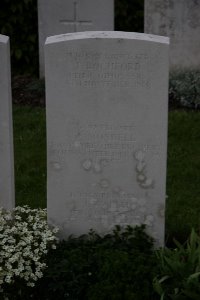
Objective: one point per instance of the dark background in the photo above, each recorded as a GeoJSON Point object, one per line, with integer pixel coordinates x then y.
{"type": "Point", "coordinates": [18, 20]}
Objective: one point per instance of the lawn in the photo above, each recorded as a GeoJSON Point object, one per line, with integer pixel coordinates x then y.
{"type": "Point", "coordinates": [183, 176]}
{"type": "Point", "coordinates": [30, 155]}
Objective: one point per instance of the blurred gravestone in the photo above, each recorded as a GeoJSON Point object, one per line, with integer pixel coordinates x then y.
{"type": "Point", "coordinates": [180, 20]}
{"type": "Point", "coordinates": [64, 16]}
{"type": "Point", "coordinates": [107, 103]}
{"type": "Point", "coordinates": [6, 136]}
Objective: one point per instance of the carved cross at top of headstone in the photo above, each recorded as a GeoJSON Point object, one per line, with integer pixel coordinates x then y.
{"type": "Point", "coordinates": [75, 22]}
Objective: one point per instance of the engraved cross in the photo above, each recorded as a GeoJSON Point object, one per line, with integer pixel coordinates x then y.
{"type": "Point", "coordinates": [75, 22]}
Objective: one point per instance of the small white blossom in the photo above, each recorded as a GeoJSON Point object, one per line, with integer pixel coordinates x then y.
{"type": "Point", "coordinates": [24, 239]}
{"type": "Point", "coordinates": [31, 284]}
{"type": "Point", "coordinates": [8, 279]}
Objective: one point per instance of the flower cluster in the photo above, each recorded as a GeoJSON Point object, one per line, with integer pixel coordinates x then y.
{"type": "Point", "coordinates": [25, 238]}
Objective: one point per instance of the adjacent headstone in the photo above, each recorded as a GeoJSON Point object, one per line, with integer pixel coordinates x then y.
{"type": "Point", "coordinates": [107, 104]}
{"type": "Point", "coordinates": [180, 20]}
{"type": "Point", "coordinates": [6, 135]}
{"type": "Point", "coordinates": [64, 16]}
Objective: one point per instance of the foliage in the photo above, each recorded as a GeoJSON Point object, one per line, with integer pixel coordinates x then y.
{"type": "Point", "coordinates": [120, 265]}
{"type": "Point", "coordinates": [184, 88]}
{"type": "Point", "coordinates": [129, 15]}
{"type": "Point", "coordinates": [179, 275]}
{"type": "Point", "coordinates": [25, 239]}
{"type": "Point", "coordinates": [18, 20]}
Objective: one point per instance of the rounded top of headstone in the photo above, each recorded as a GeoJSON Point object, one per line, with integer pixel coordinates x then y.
{"type": "Point", "coordinates": [4, 38]}
{"type": "Point", "coordinates": [107, 35]}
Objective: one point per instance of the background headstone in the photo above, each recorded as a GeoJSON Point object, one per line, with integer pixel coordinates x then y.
{"type": "Point", "coordinates": [6, 135]}
{"type": "Point", "coordinates": [180, 20]}
{"type": "Point", "coordinates": [107, 104]}
{"type": "Point", "coordinates": [64, 16]}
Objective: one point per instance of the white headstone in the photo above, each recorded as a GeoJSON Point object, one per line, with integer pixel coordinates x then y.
{"type": "Point", "coordinates": [6, 135]}
{"type": "Point", "coordinates": [180, 20]}
{"type": "Point", "coordinates": [64, 16]}
{"type": "Point", "coordinates": [107, 104]}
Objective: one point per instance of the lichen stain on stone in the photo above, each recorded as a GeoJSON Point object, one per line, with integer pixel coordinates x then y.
{"type": "Point", "coordinates": [148, 183]}
{"type": "Point", "coordinates": [149, 220]}
{"type": "Point", "coordinates": [97, 168]}
{"type": "Point", "coordinates": [104, 183]}
{"type": "Point", "coordinates": [139, 156]}
{"type": "Point", "coordinates": [141, 177]}
{"type": "Point", "coordinates": [56, 166]}
{"type": "Point", "coordinates": [161, 211]}
{"type": "Point", "coordinates": [140, 166]}
{"type": "Point", "coordinates": [87, 165]}
{"type": "Point", "coordinates": [103, 162]}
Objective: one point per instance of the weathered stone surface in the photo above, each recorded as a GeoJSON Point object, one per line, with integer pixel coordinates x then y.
{"type": "Point", "coordinates": [64, 16]}
{"type": "Point", "coordinates": [180, 20]}
{"type": "Point", "coordinates": [106, 100]}
{"type": "Point", "coordinates": [6, 135]}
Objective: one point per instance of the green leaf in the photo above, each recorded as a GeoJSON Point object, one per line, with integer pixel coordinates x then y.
{"type": "Point", "coordinates": [193, 276]}
{"type": "Point", "coordinates": [18, 53]}
{"type": "Point", "coordinates": [158, 287]}
{"type": "Point", "coordinates": [164, 278]}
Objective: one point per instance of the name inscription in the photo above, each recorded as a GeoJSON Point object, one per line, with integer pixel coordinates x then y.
{"type": "Point", "coordinates": [96, 141]}
{"type": "Point", "coordinates": [108, 208]}
{"type": "Point", "coordinates": [96, 69]}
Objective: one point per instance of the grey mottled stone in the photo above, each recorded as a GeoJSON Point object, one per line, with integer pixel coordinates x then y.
{"type": "Point", "coordinates": [179, 20]}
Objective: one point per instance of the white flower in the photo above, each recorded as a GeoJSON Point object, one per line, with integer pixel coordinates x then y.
{"type": "Point", "coordinates": [17, 272]}
{"type": "Point", "coordinates": [30, 284]}
{"type": "Point", "coordinates": [8, 279]}
{"type": "Point", "coordinates": [21, 233]}
{"type": "Point", "coordinates": [38, 274]}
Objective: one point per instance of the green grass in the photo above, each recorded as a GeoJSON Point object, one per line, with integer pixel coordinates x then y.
{"type": "Point", "coordinates": [183, 176]}
{"type": "Point", "coordinates": [30, 155]}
